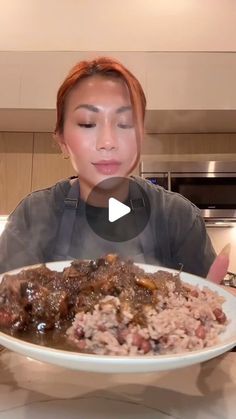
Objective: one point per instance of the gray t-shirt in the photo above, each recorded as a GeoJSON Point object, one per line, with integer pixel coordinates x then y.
{"type": "Point", "coordinates": [174, 236]}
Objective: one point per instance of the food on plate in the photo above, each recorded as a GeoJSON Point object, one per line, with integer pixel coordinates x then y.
{"type": "Point", "coordinates": [110, 307]}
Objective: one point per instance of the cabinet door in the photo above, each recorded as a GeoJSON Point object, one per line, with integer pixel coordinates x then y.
{"type": "Point", "coordinates": [15, 169]}
{"type": "Point", "coordinates": [48, 164]}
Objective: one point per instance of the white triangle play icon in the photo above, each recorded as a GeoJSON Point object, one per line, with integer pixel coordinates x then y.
{"type": "Point", "coordinates": [116, 209]}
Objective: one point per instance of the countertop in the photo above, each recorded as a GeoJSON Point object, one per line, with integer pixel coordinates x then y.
{"type": "Point", "coordinates": [32, 389]}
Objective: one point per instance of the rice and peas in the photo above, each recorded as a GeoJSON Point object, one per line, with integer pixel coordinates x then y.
{"type": "Point", "coordinates": [183, 318]}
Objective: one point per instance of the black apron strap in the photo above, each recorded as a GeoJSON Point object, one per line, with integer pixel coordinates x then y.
{"type": "Point", "coordinates": [140, 204]}
{"type": "Point", "coordinates": [64, 236]}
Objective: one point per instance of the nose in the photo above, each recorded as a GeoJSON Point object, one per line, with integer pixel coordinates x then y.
{"type": "Point", "coordinates": [107, 139]}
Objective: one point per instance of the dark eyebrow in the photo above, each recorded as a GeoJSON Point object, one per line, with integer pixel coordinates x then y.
{"type": "Point", "coordinates": [86, 106]}
{"type": "Point", "coordinates": [93, 108]}
{"type": "Point", "coordinates": [124, 109]}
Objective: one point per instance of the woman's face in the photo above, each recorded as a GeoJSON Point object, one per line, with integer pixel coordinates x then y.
{"type": "Point", "coordinates": [99, 133]}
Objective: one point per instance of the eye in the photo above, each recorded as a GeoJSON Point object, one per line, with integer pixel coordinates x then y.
{"type": "Point", "coordinates": [125, 126]}
{"type": "Point", "coordinates": [87, 125]}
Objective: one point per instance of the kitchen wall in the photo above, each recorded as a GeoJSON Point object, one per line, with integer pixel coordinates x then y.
{"type": "Point", "coordinates": [131, 25]}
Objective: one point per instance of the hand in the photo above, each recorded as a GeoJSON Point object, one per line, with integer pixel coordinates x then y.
{"type": "Point", "coordinates": [219, 268]}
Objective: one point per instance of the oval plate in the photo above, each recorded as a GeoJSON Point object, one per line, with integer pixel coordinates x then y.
{"type": "Point", "coordinates": [134, 364]}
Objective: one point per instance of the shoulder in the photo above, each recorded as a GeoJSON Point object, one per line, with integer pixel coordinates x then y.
{"type": "Point", "coordinates": [170, 202]}
{"type": "Point", "coordinates": [172, 213]}
{"type": "Point", "coordinates": [56, 192]}
{"type": "Point", "coordinates": [41, 200]}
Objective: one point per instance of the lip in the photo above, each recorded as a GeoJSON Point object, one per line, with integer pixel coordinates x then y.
{"type": "Point", "coordinates": [107, 167]}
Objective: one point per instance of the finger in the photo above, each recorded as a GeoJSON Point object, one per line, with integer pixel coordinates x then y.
{"type": "Point", "coordinates": [220, 266]}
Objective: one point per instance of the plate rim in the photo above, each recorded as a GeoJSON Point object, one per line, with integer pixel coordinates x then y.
{"type": "Point", "coordinates": [59, 355]}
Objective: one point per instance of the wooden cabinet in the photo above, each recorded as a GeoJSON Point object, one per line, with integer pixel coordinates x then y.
{"type": "Point", "coordinates": [215, 146]}
{"type": "Point", "coordinates": [48, 165]}
{"type": "Point", "coordinates": [15, 169]}
{"type": "Point", "coordinates": [28, 162]}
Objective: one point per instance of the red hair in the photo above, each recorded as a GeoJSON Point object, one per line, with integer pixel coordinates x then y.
{"type": "Point", "coordinates": [107, 67]}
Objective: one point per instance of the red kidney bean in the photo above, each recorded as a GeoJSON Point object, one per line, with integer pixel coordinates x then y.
{"type": "Point", "coordinates": [137, 340]}
{"type": "Point", "coordinates": [194, 293]}
{"type": "Point", "coordinates": [141, 343]}
{"type": "Point", "coordinates": [200, 332]}
{"type": "Point", "coordinates": [146, 346]}
{"type": "Point", "coordinates": [219, 315]}
{"type": "Point", "coordinates": [79, 332]}
{"type": "Point", "coordinates": [121, 336]}
{"type": "Point", "coordinates": [102, 328]}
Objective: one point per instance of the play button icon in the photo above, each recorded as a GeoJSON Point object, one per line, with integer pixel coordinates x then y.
{"type": "Point", "coordinates": [117, 209]}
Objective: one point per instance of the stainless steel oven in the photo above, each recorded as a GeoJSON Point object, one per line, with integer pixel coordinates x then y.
{"type": "Point", "coordinates": [210, 185]}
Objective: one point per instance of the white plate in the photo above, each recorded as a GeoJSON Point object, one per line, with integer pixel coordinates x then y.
{"type": "Point", "coordinates": [118, 364]}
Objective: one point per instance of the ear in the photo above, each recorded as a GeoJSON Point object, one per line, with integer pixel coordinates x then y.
{"type": "Point", "coordinates": [59, 138]}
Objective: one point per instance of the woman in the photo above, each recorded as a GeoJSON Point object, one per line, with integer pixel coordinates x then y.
{"type": "Point", "coordinates": [100, 125]}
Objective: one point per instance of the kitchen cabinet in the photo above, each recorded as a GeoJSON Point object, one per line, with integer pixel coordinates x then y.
{"type": "Point", "coordinates": [187, 80]}
{"type": "Point", "coordinates": [48, 165]}
{"type": "Point", "coordinates": [28, 162]}
{"type": "Point", "coordinates": [213, 145]}
{"type": "Point", "coordinates": [171, 80]}
{"type": "Point", "coordinates": [10, 80]}
{"type": "Point", "coordinates": [15, 169]}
